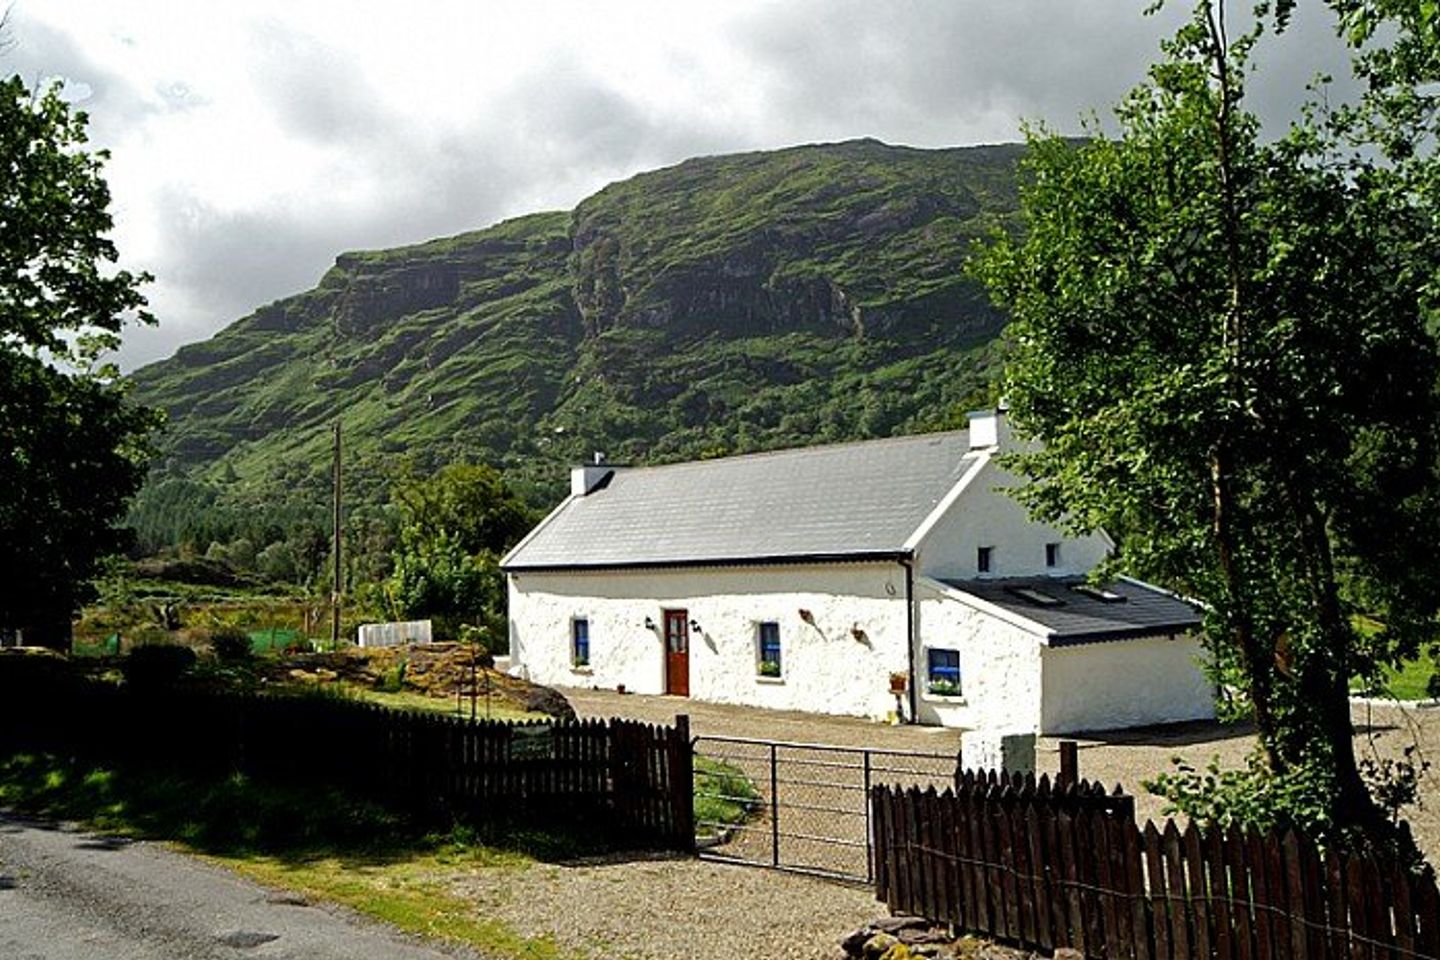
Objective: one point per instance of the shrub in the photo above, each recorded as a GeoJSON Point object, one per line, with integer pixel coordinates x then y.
{"type": "Point", "coordinates": [230, 645]}
{"type": "Point", "coordinates": [157, 665]}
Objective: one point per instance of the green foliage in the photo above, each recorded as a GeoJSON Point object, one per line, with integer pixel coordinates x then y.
{"type": "Point", "coordinates": [231, 645]}
{"type": "Point", "coordinates": [1222, 344]}
{"type": "Point", "coordinates": [75, 448]}
{"type": "Point", "coordinates": [724, 796]}
{"type": "Point", "coordinates": [1257, 798]}
{"type": "Point", "coordinates": [157, 666]}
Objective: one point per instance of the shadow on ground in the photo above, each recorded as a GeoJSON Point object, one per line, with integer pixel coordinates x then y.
{"type": "Point", "coordinates": [237, 817]}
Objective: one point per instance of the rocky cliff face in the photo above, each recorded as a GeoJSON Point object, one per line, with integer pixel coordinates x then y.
{"type": "Point", "coordinates": [727, 303]}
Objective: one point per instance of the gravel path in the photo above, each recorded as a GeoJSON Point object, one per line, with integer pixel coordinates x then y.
{"type": "Point", "coordinates": [671, 908]}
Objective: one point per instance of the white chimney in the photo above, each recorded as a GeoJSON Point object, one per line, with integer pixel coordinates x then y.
{"type": "Point", "coordinates": [586, 477]}
{"type": "Point", "coordinates": [988, 428]}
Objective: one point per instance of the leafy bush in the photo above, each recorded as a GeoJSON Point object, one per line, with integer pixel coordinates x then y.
{"type": "Point", "coordinates": [724, 796]}
{"type": "Point", "coordinates": [1255, 798]}
{"type": "Point", "coordinates": [230, 645]}
{"type": "Point", "coordinates": [156, 666]}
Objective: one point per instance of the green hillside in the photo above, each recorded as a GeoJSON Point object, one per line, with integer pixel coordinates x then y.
{"type": "Point", "coordinates": [724, 304]}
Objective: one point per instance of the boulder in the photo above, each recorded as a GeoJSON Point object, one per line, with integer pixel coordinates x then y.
{"type": "Point", "coordinates": [538, 699]}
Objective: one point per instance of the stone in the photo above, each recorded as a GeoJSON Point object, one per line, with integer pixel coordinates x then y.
{"type": "Point", "coordinates": [911, 936]}
{"type": "Point", "coordinates": [854, 944]}
{"type": "Point", "coordinates": [896, 924]}
{"type": "Point", "coordinates": [1067, 953]}
{"type": "Point", "coordinates": [878, 945]}
{"type": "Point", "coordinates": [540, 699]}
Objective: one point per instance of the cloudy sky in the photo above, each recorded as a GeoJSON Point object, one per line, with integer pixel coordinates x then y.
{"type": "Point", "coordinates": [253, 141]}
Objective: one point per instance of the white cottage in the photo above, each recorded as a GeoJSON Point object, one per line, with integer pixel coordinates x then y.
{"type": "Point", "coordinates": [888, 576]}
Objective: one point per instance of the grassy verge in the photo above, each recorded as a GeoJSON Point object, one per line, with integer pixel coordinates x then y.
{"type": "Point", "coordinates": [321, 844]}
{"type": "Point", "coordinates": [724, 796]}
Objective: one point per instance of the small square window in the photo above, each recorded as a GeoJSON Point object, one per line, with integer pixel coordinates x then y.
{"type": "Point", "coordinates": [985, 559]}
{"type": "Point", "coordinates": [769, 644]}
{"type": "Point", "coordinates": [1052, 554]}
{"type": "Point", "coordinates": [943, 672]}
{"type": "Point", "coordinates": [580, 642]}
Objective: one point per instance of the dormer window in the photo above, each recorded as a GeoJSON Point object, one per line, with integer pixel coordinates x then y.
{"type": "Point", "coordinates": [985, 560]}
{"type": "Point", "coordinates": [1052, 555]}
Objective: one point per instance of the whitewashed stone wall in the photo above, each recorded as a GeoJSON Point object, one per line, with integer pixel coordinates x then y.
{"type": "Point", "coordinates": [984, 515]}
{"type": "Point", "coordinates": [1108, 686]}
{"type": "Point", "coordinates": [999, 667]}
{"type": "Point", "coordinates": [840, 664]}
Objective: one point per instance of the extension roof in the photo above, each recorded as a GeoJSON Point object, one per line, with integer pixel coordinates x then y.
{"type": "Point", "coordinates": [851, 501]}
{"type": "Point", "coordinates": [1132, 610]}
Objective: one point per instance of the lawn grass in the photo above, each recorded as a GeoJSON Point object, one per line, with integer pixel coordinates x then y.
{"type": "Point", "coordinates": [410, 700]}
{"type": "Point", "coordinates": [318, 843]}
{"type": "Point", "coordinates": [1410, 682]}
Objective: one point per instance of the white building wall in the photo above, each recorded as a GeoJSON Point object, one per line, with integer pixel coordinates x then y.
{"type": "Point", "coordinates": [828, 668]}
{"type": "Point", "coordinates": [985, 515]}
{"type": "Point", "coordinates": [1127, 683]}
{"type": "Point", "coordinates": [999, 667]}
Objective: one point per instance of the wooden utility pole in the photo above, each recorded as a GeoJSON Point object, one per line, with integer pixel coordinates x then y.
{"type": "Point", "coordinates": [335, 594]}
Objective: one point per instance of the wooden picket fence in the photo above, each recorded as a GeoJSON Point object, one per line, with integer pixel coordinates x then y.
{"type": "Point", "coordinates": [628, 779]}
{"type": "Point", "coordinates": [1048, 866]}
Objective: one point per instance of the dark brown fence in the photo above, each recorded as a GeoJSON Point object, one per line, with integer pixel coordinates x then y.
{"type": "Point", "coordinates": [627, 779]}
{"type": "Point", "coordinates": [1047, 867]}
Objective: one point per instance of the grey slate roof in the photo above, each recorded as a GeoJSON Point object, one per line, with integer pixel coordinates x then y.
{"type": "Point", "coordinates": [1144, 611]}
{"type": "Point", "coordinates": [847, 501]}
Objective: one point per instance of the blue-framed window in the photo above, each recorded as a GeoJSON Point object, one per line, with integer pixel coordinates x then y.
{"type": "Point", "coordinates": [769, 641]}
{"type": "Point", "coordinates": [943, 672]}
{"type": "Point", "coordinates": [580, 642]}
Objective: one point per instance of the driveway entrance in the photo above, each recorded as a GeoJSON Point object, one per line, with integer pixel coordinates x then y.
{"type": "Point", "coordinates": [803, 807]}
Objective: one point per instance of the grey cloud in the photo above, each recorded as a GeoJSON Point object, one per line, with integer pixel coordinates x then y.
{"type": "Point", "coordinates": [40, 51]}
{"type": "Point", "coordinates": [317, 91]}
{"type": "Point", "coordinates": [923, 72]}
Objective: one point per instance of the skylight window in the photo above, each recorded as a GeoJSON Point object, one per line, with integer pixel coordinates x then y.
{"type": "Point", "coordinates": [1037, 597]}
{"type": "Point", "coordinates": [1098, 593]}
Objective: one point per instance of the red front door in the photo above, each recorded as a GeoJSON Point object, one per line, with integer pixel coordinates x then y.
{"type": "Point", "coordinates": [677, 653]}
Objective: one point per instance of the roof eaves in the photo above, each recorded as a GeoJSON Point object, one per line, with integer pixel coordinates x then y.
{"type": "Point", "coordinates": [1170, 630]}
{"type": "Point", "coordinates": [859, 556]}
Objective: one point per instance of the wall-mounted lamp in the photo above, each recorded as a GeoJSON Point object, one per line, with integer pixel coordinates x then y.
{"type": "Point", "coordinates": [859, 634]}
{"type": "Point", "coordinates": [649, 624]}
{"type": "Point", "coordinates": [807, 616]}
{"type": "Point", "coordinates": [695, 627]}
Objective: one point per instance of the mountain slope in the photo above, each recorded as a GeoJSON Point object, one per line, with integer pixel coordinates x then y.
{"type": "Point", "coordinates": [724, 304]}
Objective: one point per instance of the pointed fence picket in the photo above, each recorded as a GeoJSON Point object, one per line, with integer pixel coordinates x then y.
{"type": "Point", "coordinates": [1063, 864]}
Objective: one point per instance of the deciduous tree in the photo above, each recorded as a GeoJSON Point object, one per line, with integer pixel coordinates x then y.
{"type": "Point", "coordinates": [1222, 343]}
{"type": "Point", "coordinates": [72, 449]}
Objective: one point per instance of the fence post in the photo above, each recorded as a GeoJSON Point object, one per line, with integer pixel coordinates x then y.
{"type": "Point", "coordinates": [682, 783]}
{"type": "Point", "coordinates": [1069, 764]}
{"type": "Point", "coordinates": [869, 826]}
{"type": "Point", "coordinates": [774, 809]}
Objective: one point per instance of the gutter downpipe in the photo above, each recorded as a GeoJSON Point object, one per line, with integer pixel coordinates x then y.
{"type": "Point", "coordinates": [908, 562]}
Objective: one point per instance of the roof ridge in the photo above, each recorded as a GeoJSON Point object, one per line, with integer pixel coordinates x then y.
{"type": "Point", "coordinates": [761, 454]}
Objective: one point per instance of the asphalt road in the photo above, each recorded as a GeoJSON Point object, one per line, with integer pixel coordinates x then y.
{"type": "Point", "coordinates": [69, 895]}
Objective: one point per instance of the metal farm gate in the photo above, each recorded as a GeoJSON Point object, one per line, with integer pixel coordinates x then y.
{"type": "Point", "coordinates": [802, 807]}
